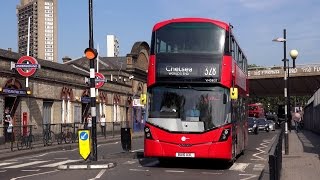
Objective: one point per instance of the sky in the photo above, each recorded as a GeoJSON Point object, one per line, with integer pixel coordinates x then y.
{"type": "Point", "coordinates": [256, 23]}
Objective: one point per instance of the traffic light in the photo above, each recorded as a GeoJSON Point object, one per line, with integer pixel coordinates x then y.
{"type": "Point", "coordinates": [143, 99]}
{"type": "Point", "coordinates": [91, 53]}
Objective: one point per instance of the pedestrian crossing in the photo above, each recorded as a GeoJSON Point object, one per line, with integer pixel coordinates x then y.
{"type": "Point", "coordinates": [237, 166]}
{"type": "Point", "coordinates": [35, 163]}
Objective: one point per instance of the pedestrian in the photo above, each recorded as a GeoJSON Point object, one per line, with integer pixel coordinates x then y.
{"type": "Point", "coordinates": [89, 121]}
{"type": "Point", "coordinates": [9, 126]}
{"type": "Point", "coordinates": [103, 125]}
{"type": "Point", "coordinates": [296, 117]}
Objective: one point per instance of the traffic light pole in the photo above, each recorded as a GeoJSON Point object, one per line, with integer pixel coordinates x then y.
{"type": "Point", "coordinates": [92, 88]}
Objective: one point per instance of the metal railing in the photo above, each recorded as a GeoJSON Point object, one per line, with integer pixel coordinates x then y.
{"type": "Point", "coordinates": [275, 156]}
{"type": "Point", "coordinates": [53, 134]}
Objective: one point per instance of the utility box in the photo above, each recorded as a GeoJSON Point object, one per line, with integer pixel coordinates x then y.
{"type": "Point", "coordinates": [126, 139]}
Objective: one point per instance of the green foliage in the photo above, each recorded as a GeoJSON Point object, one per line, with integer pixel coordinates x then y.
{"type": "Point", "coordinates": [271, 103]}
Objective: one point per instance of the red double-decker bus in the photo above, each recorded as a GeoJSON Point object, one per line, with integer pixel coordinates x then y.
{"type": "Point", "coordinates": [256, 110]}
{"type": "Point", "coordinates": [197, 91]}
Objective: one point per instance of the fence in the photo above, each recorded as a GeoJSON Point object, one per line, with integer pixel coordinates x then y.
{"type": "Point", "coordinates": [50, 134]}
{"type": "Point", "coordinates": [311, 113]}
{"type": "Point", "coordinates": [275, 156]}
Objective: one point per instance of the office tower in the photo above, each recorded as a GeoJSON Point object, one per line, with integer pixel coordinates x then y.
{"type": "Point", "coordinates": [112, 46]}
{"type": "Point", "coordinates": [43, 28]}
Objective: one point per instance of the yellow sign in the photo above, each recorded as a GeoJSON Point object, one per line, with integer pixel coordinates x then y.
{"type": "Point", "coordinates": [143, 98]}
{"type": "Point", "coordinates": [234, 93]}
{"type": "Point", "coordinates": [84, 143]}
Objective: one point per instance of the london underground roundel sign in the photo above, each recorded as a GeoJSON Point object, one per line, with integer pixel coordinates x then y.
{"type": "Point", "coordinates": [99, 80]}
{"type": "Point", "coordinates": [25, 69]}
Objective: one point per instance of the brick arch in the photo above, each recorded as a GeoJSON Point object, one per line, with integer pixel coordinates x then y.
{"type": "Point", "coordinates": [13, 83]}
{"type": "Point", "coordinates": [103, 97]}
{"type": "Point", "coordinates": [116, 99]}
{"type": "Point", "coordinates": [67, 92]}
{"type": "Point", "coordinates": [85, 93]}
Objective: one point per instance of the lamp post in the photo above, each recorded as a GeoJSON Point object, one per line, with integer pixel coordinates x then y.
{"type": "Point", "coordinates": [293, 54]}
{"type": "Point", "coordinates": [286, 137]}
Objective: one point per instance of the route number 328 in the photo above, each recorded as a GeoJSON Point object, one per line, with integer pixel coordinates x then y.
{"type": "Point", "coordinates": [210, 71]}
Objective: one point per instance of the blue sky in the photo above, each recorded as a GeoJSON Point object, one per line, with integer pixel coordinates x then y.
{"type": "Point", "coordinates": [256, 23]}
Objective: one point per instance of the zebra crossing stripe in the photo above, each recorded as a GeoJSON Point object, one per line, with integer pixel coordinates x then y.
{"type": "Point", "coordinates": [6, 163]}
{"type": "Point", "coordinates": [25, 164]}
{"type": "Point", "coordinates": [239, 167]}
{"type": "Point", "coordinates": [60, 163]}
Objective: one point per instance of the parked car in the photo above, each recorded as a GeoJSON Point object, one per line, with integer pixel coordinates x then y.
{"type": "Point", "coordinates": [252, 125]}
{"type": "Point", "coordinates": [272, 125]}
{"type": "Point", "coordinates": [263, 124]}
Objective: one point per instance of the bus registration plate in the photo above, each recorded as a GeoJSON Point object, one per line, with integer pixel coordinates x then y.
{"type": "Point", "coordinates": [191, 155]}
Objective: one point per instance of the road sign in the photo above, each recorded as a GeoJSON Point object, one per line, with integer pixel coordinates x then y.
{"type": "Point", "coordinates": [100, 79]}
{"type": "Point", "coordinates": [84, 143]}
{"type": "Point", "coordinates": [136, 103]}
{"type": "Point", "coordinates": [25, 69]}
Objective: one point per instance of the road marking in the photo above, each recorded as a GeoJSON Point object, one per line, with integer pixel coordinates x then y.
{"type": "Point", "coordinates": [108, 144]}
{"type": "Point", "coordinates": [30, 175]}
{"type": "Point", "coordinates": [60, 163]}
{"type": "Point", "coordinates": [174, 171]}
{"type": "Point", "coordinates": [137, 150]}
{"type": "Point", "coordinates": [250, 176]}
{"type": "Point", "coordinates": [131, 162]}
{"type": "Point", "coordinates": [24, 165]}
{"type": "Point", "coordinates": [263, 145]}
{"type": "Point", "coordinates": [3, 171]}
{"type": "Point", "coordinates": [6, 163]}
{"type": "Point", "coordinates": [239, 167]}
{"type": "Point", "coordinates": [99, 174]}
{"type": "Point", "coordinates": [138, 170]}
{"type": "Point", "coordinates": [30, 170]}
{"type": "Point", "coordinates": [211, 173]}
{"type": "Point", "coordinates": [258, 167]}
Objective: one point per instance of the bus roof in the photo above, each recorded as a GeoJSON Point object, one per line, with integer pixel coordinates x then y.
{"type": "Point", "coordinates": [191, 19]}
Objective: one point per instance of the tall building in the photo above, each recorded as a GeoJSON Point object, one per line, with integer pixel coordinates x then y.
{"type": "Point", "coordinates": [112, 46]}
{"type": "Point", "coordinates": [43, 28]}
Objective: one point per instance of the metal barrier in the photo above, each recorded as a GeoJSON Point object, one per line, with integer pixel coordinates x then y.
{"type": "Point", "coordinates": [275, 156]}
{"type": "Point", "coordinates": [53, 134]}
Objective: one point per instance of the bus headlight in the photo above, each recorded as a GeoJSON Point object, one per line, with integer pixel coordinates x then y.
{"type": "Point", "coordinates": [225, 134]}
{"type": "Point", "coordinates": [147, 133]}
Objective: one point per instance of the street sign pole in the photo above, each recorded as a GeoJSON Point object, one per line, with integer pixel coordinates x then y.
{"type": "Point", "coordinates": [92, 88]}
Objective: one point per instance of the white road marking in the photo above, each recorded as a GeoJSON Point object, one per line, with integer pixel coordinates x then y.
{"type": "Point", "coordinates": [60, 163]}
{"type": "Point", "coordinates": [250, 176]}
{"type": "Point", "coordinates": [30, 175]}
{"type": "Point", "coordinates": [174, 171]}
{"type": "Point", "coordinates": [6, 163]}
{"type": "Point", "coordinates": [99, 174]}
{"type": "Point", "coordinates": [108, 144]}
{"type": "Point", "coordinates": [139, 170]}
{"type": "Point", "coordinates": [137, 150]}
{"type": "Point", "coordinates": [211, 173]}
{"type": "Point", "coordinates": [263, 146]}
{"type": "Point", "coordinates": [24, 165]}
{"type": "Point", "coordinates": [258, 167]}
{"type": "Point", "coordinates": [3, 171]}
{"type": "Point", "coordinates": [239, 167]}
{"type": "Point", "coordinates": [30, 170]}
{"type": "Point", "coordinates": [131, 162]}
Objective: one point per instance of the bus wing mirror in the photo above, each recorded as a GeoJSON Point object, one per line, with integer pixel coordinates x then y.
{"type": "Point", "coordinates": [234, 93]}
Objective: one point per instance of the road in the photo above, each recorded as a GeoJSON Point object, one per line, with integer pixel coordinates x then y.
{"type": "Point", "coordinates": [133, 166]}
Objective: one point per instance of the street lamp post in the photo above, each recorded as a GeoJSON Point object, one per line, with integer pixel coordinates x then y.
{"type": "Point", "coordinates": [293, 54]}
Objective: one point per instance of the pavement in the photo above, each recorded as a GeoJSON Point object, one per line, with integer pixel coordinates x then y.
{"type": "Point", "coordinates": [303, 160]}
{"type": "Point", "coordinates": [6, 153]}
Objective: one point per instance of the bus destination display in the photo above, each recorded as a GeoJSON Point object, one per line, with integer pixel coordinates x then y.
{"type": "Point", "coordinates": [198, 70]}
